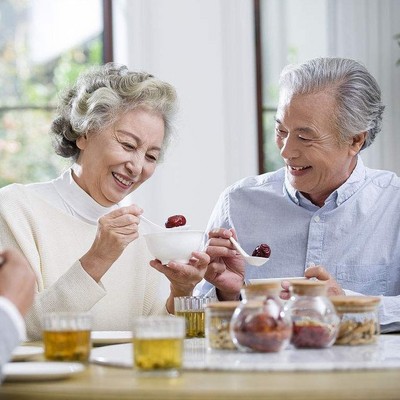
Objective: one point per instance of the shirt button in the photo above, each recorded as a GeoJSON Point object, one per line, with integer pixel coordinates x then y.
{"type": "Point", "coordinates": [317, 218]}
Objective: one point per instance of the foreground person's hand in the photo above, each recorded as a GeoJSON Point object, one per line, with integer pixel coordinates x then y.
{"type": "Point", "coordinates": [226, 268]}
{"type": "Point", "coordinates": [17, 280]}
{"type": "Point", "coordinates": [114, 232]}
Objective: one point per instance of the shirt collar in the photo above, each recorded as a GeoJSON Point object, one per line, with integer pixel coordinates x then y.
{"type": "Point", "coordinates": [77, 200]}
{"type": "Point", "coordinates": [340, 195]}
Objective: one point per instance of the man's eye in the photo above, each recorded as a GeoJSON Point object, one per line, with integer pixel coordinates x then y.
{"type": "Point", "coordinates": [304, 139]}
{"type": "Point", "coordinates": [280, 132]}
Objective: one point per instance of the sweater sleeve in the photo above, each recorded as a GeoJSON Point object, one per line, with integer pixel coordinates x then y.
{"type": "Point", "coordinates": [75, 290]}
{"type": "Point", "coordinates": [62, 283]}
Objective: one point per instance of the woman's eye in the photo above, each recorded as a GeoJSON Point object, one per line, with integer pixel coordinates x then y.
{"type": "Point", "coordinates": [128, 146]}
{"type": "Point", "coordinates": [152, 158]}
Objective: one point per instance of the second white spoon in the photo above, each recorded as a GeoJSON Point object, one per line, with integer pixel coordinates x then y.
{"type": "Point", "coordinates": [252, 260]}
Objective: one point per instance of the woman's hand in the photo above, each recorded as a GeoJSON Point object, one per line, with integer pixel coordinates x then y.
{"type": "Point", "coordinates": [226, 268]}
{"type": "Point", "coordinates": [183, 277]}
{"type": "Point", "coordinates": [114, 232]}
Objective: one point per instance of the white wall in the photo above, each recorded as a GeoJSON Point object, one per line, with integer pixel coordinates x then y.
{"type": "Point", "coordinates": [205, 48]}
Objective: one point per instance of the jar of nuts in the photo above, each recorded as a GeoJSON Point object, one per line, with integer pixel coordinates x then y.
{"type": "Point", "coordinates": [315, 322]}
{"type": "Point", "coordinates": [260, 322]}
{"type": "Point", "coordinates": [218, 320]}
{"type": "Point", "coordinates": [359, 323]}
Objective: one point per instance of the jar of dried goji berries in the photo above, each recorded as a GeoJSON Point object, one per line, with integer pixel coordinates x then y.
{"type": "Point", "coordinates": [314, 319]}
{"type": "Point", "coordinates": [359, 322]}
{"type": "Point", "coordinates": [260, 322]}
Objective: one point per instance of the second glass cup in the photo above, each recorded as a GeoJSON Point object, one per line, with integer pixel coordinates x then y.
{"type": "Point", "coordinates": [158, 345]}
{"type": "Point", "coordinates": [192, 309]}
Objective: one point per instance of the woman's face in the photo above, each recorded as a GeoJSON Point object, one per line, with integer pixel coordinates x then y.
{"type": "Point", "coordinates": [116, 161]}
{"type": "Point", "coordinates": [317, 162]}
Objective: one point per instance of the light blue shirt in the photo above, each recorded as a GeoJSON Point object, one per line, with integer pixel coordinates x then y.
{"type": "Point", "coordinates": [355, 235]}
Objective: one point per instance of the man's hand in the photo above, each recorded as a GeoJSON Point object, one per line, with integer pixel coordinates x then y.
{"type": "Point", "coordinates": [226, 268]}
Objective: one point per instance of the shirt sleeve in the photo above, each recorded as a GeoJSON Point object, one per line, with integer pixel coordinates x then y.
{"type": "Point", "coordinates": [12, 328]}
{"type": "Point", "coordinates": [15, 316]}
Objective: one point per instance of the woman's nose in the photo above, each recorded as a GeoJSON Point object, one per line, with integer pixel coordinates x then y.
{"type": "Point", "coordinates": [135, 165]}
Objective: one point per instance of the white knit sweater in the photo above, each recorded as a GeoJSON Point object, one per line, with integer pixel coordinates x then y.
{"type": "Point", "coordinates": [53, 241]}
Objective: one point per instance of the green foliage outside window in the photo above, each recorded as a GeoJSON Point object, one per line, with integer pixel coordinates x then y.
{"type": "Point", "coordinates": [28, 99]}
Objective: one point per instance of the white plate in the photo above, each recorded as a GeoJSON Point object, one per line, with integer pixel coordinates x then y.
{"type": "Point", "coordinates": [111, 337]}
{"type": "Point", "coordinates": [40, 371]}
{"type": "Point", "coordinates": [118, 355]}
{"type": "Point", "coordinates": [266, 280]}
{"type": "Point", "coordinates": [385, 354]}
{"type": "Point", "coordinates": [22, 353]}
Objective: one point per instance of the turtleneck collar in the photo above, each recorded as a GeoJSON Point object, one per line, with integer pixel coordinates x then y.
{"type": "Point", "coordinates": [77, 201]}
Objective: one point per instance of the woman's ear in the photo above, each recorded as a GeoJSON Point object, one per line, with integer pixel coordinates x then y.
{"type": "Point", "coordinates": [81, 142]}
{"type": "Point", "coordinates": [358, 142]}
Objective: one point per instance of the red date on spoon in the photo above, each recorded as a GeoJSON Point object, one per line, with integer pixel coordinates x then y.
{"type": "Point", "coordinates": [263, 250]}
{"type": "Point", "coordinates": [175, 220]}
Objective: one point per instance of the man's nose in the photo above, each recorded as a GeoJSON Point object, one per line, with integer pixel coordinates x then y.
{"type": "Point", "coordinates": [289, 147]}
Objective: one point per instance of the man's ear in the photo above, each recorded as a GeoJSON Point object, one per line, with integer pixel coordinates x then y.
{"type": "Point", "coordinates": [357, 142]}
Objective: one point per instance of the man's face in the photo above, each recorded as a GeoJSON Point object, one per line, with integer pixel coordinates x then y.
{"type": "Point", "coordinates": [317, 161]}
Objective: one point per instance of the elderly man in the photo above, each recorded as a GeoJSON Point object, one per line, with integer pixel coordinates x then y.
{"type": "Point", "coordinates": [17, 283]}
{"type": "Point", "coordinates": [324, 215]}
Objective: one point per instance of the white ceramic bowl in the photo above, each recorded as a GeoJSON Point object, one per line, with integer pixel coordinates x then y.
{"type": "Point", "coordinates": [174, 245]}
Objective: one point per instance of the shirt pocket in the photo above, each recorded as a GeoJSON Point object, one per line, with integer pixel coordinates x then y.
{"type": "Point", "coordinates": [365, 279]}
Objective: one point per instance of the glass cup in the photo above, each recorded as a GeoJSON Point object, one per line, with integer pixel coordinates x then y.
{"type": "Point", "coordinates": [158, 345]}
{"type": "Point", "coordinates": [66, 336]}
{"type": "Point", "coordinates": [192, 309]}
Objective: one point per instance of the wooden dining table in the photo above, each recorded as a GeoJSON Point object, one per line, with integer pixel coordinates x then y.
{"type": "Point", "coordinates": [110, 382]}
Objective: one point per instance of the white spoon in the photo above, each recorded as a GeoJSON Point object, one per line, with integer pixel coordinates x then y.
{"type": "Point", "coordinates": [154, 226]}
{"type": "Point", "coordinates": [252, 260]}
{"type": "Point", "coordinates": [159, 228]}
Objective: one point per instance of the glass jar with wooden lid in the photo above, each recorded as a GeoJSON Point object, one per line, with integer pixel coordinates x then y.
{"type": "Point", "coordinates": [218, 321]}
{"type": "Point", "coordinates": [260, 322]}
{"type": "Point", "coordinates": [359, 322]}
{"type": "Point", "coordinates": [314, 319]}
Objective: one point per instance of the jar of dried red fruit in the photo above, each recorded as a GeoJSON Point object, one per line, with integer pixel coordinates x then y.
{"type": "Point", "coordinates": [314, 319]}
{"type": "Point", "coordinates": [260, 322]}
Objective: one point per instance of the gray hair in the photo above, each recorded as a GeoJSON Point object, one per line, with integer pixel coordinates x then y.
{"type": "Point", "coordinates": [357, 93]}
{"type": "Point", "coordinates": [100, 96]}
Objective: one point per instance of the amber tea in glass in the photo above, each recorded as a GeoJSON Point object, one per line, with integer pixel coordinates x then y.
{"type": "Point", "coordinates": [158, 345]}
{"type": "Point", "coordinates": [192, 309]}
{"type": "Point", "coordinates": [66, 336]}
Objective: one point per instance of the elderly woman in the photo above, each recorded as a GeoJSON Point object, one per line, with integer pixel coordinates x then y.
{"type": "Point", "coordinates": [85, 248]}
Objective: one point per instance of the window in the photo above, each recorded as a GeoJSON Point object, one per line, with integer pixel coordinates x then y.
{"type": "Point", "coordinates": [292, 31]}
{"type": "Point", "coordinates": [44, 45]}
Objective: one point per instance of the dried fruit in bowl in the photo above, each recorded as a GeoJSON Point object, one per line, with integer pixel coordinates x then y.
{"type": "Point", "coordinates": [263, 250]}
{"type": "Point", "coordinates": [175, 220]}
